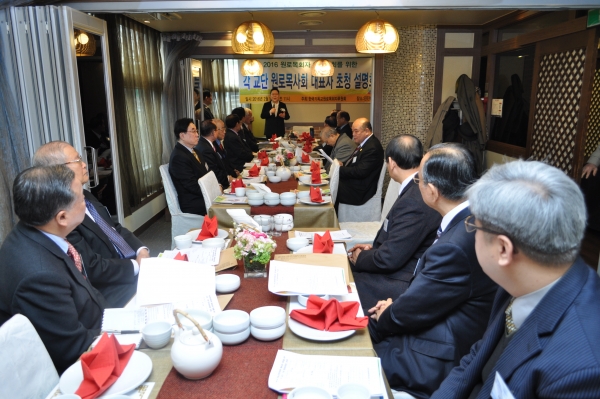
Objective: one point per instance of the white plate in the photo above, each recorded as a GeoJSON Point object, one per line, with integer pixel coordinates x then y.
{"type": "Point", "coordinates": [323, 183]}
{"type": "Point", "coordinates": [135, 373]}
{"type": "Point", "coordinates": [337, 249]}
{"type": "Point", "coordinates": [307, 201]}
{"type": "Point", "coordinates": [194, 234]}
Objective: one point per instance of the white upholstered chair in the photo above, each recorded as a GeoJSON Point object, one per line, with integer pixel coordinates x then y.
{"type": "Point", "coordinates": [25, 366]}
{"type": "Point", "coordinates": [365, 232]}
{"type": "Point", "coordinates": [181, 222]}
{"type": "Point", "coordinates": [209, 185]}
{"type": "Point", "coordinates": [334, 179]}
{"type": "Point", "coordinates": [370, 211]}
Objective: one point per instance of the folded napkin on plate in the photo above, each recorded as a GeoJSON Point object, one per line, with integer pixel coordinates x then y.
{"type": "Point", "coordinates": [262, 154]}
{"type": "Point", "coordinates": [273, 137]}
{"type": "Point", "coordinates": [254, 171]}
{"type": "Point", "coordinates": [330, 315]}
{"type": "Point", "coordinates": [315, 194]}
{"type": "Point", "coordinates": [181, 256]}
{"type": "Point", "coordinates": [103, 366]}
{"type": "Point", "coordinates": [316, 176]}
{"type": "Point", "coordinates": [264, 161]}
{"type": "Point", "coordinates": [235, 183]}
{"type": "Point", "coordinates": [307, 147]}
{"type": "Point", "coordinates": [323, 244]}
{"type": "Point", "coordinates": [209, 228]}
{"type": "Point", "coordinates": [305, 158]}
{"type": "Point", "coordinates": [275, 145]}
{"type": "Point", "coordinates": [315, 166]}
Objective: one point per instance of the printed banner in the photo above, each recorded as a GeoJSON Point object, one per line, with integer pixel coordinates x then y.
{"type": "Point", "coordinates": [351, 82]}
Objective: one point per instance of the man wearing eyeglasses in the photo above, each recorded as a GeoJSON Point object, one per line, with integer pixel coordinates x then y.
{"type": "Point", "coordinates": [114, 252]}
{"type": "Point", "coordinates": [541, 342]}
{"type": "Point", "coordinates": [422, 334]}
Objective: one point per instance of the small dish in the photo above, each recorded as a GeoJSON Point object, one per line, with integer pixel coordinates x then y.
{"type": "Point", "coordinates": [183, 242]}
{"type": "Point", "coordinates": [267, 317]}
{"type": "Point", "coordinates": [296, 243]}
{"type": "Point", "coordinates": [303, 194]}
{"type": "Point", "coordinates": [302, 299]}
{"type": "Point", "coordinates": [309, 393]}
{"type": "Point", "coordinates": [274, 179]}
{"type": "Point", "coordinates": [215, 242]}
{"type": "Point", "coordinates": [353, 391]}
{"type": "Point", "coordinates": [231, 321]}
{"type": "Point", "coordinates": [201, 316]}
{"type": "Point", "coordinates": [233, 338]}
{"type": "Point", "coordinates": [255, 202]}
{"type": "Point", "coordinates": [307, 179]}
{"type": "Point", "coordinates": [157, 334]}
{"type": "Point", "coordinates": [270, 334]}
{"type": "Point", "coordinates": [226, 283]}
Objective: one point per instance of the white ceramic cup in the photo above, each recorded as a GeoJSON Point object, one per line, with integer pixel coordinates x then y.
{"type": "Point", "coordinates": [183, 241]}
{"type": "Point", "coordinates": [353, 391]}
{"type": "Point", "coordinates": [270, 173]}
{"type": "Point", "coordinates": [68, 396]}
{"type": "Point", "coordinates": [240, 191]}
{"type": "Point", "coordinates": [213, 243]}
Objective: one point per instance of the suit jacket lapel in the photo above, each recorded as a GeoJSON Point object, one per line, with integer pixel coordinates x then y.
{"type": "Point", "coordinates": [457, 219]}
{"type": "Point", "coordinates": [91, 225]}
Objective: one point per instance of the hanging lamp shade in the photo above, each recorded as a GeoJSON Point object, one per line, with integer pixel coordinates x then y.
{"type": "Point", "coordinates": [85, 44]}
{"type": "Point", "coordinates": [252, 37]}
{"type": "Point", "coordinates": [377, 36]}
{"type": "Point", "coordinates": [252, 68]}
{"type": "Point", "coordinates": [322, 68]}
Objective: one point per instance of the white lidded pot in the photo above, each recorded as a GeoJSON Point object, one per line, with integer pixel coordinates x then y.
{"type": "Point", "coordinates": [284, 173]}
{"type": "Point", "coordinates": [191, 354]}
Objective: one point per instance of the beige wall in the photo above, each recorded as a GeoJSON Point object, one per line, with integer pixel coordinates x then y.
{"type": "Point", "coordinates": [492, 158]}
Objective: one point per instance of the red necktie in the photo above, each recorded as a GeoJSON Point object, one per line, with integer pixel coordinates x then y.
{"type": "Point", "coordinates": [73, 254]}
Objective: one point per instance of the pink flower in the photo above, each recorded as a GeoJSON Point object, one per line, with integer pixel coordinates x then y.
{"type": "Point", "coordinates": [290, 155]}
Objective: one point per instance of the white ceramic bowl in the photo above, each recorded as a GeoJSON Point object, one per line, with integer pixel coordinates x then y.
{"type": "Point", "coordinates": [288, 202]}
{"type": "Point", "coordinates": [305, 168]}
{"type": "Point", "coordinates": [183, 242]}
{"type": "Point", "coordinates": [234, 338]}
{"type": "Point", "coordinates": [251, 191]}
{"type": "Point", "coordinates": [255, 196]}
{"type": "Point", "coordinates": [305, 179]}
{"type": "Point", "coordinates": [286, 217]}
{"type": "Point", "coordinates": [157, 334]}
{"type": "Point", "coordinates": [270, 173]}
{"type": "Point", "coordinates": [287, 227]}
{"type": "Point", "coordinates": [287, 195]}
{"type": "Point", "coordinates": [240, 191]}
{"type": "Point", "coordinates": [274, 179]}
{"type": "Point", "coordinates": [295, 168]}
{"type": "Point", "coordinates": [302, 299]}
{"type": "Point", "coordinates": [203, 318]}
{"type": "Point", "coordinates": [270, 334]}
{"type": "Point", "coordinates": [309, 393]}
{"type": "Point", "coordinates": [271, 196]}
{"type": "Point", "coordinates": [296, 243]}
{"type": "Point", "coordinates": [255, 202]}
{"type": "Point", "coordinates": [353, 391]}
{"type": "Point", "coordinates": [231, 321]}
{"type": "Point", "coordinates": [226, 283]}
{"type": "Point", "coordinates": [303, 194]}
{"type": "Point", "coordinates": [267, 317]}
{"type": "Point", "coordinates": [215, 242]}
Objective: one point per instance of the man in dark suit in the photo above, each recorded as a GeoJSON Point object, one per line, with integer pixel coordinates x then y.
{"type": "Point", "coordinates": [115, 253]}
{"type": "Point", "coordinates": [209, 154]}
{"type": "Point", "coordinates": [218, 143]}
{"type": "Point", "coordinates": [359, 175]}
{"type": "Point", "coordinates": [275, 113]}
{"type": "Point", "coordinates": [245, 133]}
{"type": "Point", "coordinates": [529, 219]}
{"type": "Point", "coordinates": [384, 269]}
{"type": "Point", "coordinates": [186, 167]}
{"type": "Point", "coordinates": [238, 153]}
{"type": "Point", "coordinates": [422, 334]}
{"type": "Point", "coordinates": [207, 101]}
{"type": "Point", "coordinates": [42, 276]}
{"type": "Point", "coordinates": [343, 123]}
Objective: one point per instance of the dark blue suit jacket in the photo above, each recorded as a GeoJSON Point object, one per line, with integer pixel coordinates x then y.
{"type": "Point", "coordinates": [445, 310]}
{"type": "Point", "coordinates": [185, 171]}
{"type": "Point", "coordinates": [555, 353]}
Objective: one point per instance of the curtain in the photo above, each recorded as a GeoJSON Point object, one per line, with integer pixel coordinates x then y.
{"type": "Point", "coordinates": [177, 97]}
{"type": "Point", "coordinates": [221, 77]}
{"type": "Point", "coordinates": [137, 88]}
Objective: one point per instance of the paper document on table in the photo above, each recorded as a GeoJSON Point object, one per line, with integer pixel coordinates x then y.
{"type": "Point", "coordinates": [325, 155]}
{"type": "Point", "coordinates": [287, 278]}
{"type": "Point", "coordinates": [252, 180]}
{"type": "Point", "coordinates": [262, 188]}
{"type": "Point", "coordinates": [338, 235]}
{"type": "Point", "coordinates": [291, 370]}
{"type": "Point", "coordinates": [240, 216]}
{"type": "Point", "coordinates": [196, 254]}
{"type": "Point", "coordinates": [229, 199]}
{"type": "Point", "coordinates": [168, 281]}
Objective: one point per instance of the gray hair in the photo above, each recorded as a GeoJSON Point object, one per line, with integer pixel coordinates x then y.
{"type": "Point", "coordinates": [248, 111]}
{"type": "Point", "coordinates": [536, 205]}
{"type": "Point", "coordinates": [52, 153]}
{"type": "Point", "coordinates": [327, 131]}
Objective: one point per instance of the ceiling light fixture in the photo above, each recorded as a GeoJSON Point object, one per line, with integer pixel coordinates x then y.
{"type": "Point", "coordinates": [252, 37]}
{"type": "Point", "coordinates": [321, 68]}
{"type": "Point", "coordinates": [376, 37]}
{"type": "Point", "coordinates": [252, 68]}
{"type": "Point", "coordinates": [85, 45]}
{"type": "Point", "coordinates": [311, 14]}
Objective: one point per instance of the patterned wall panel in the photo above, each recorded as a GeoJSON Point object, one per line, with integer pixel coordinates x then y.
{"type": "Point", "coordinates": [557, 108]}
{"type": "Point", "coordinates": [593, 128]}
{"type": "Point", "coordinates": [409, 76]}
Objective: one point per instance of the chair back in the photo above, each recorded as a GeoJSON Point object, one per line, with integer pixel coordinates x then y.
{"type": "Point", "coordinates": [170, 192]}
{"type": "Point", "coordinates": [334, 179]}
{"type": "Point", "coordinates": [301, 129]}
{"type": "Point", "coordinates": [209, 185]}
{"type": "Point", "coordinates": [25, 365]}
{"type": "Point", "coordinates": [370, 211]}
{"type": "Point", "coordinates": [391, 195]}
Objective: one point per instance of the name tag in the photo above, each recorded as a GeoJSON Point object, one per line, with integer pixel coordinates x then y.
{"type": "Point", "coordinates": [385, 223]}
{"type": "Point", "coordinates": [354, 160]}
{"type": "Point", "coordinates": [500, 389]}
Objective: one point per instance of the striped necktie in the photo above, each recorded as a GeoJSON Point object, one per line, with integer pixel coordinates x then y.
{"type": "Point", "coordinates": [357, 149]}
{"type": "Point", "coordinates": [124, 250]}
{"type": "Point", "coordinates": [510, 324]}
{"type": "Point", "coordinates": [74, 255]}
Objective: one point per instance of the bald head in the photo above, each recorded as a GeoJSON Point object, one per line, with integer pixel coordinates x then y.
{"type": "Point", "coordinates": [361, 129]}
{"type": "Point", "coordinates": [62, 153]}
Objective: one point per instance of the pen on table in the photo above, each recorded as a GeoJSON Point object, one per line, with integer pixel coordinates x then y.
{"type": "Point", "coordinates": [122, 331]}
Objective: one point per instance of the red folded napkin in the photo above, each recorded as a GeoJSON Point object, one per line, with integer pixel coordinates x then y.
{"type": "Point", "coordinates": [307, 147]}
{"type": "Point", "coordinates": [323, 244]}
{"type": "Point", "coordinates": [264, 161]}
{"type": "Point", "coordinates": [305, 158]}
{"type": "Point", "coordinates": [103, 366]}
{"type": "Point", "coordinates": [273, 137]}
{"type": "Point", "coordinates": [253, 172]}
{"type": "Point", "coordinates": [235, 183]}
{"type": "Point", "coordinates": [262, 154]}
{"type": "Point", "coordinates": [181, 256]}
{"type": "Point", "coordinates": [316, 176]}
{"type": "Point", "coordinates": [315, 194]}
{"type": "Point", "coordinates": [330, 315]}
{"type": "Point", "coordinates": [315, 166]}
{"type": "Point", "coordinates": [210, 228]}
{"type": "Point", "coordinates": [275, 145]}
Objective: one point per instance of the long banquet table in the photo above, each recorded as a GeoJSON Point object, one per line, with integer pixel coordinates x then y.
{"type": "Point", "coordinates": [244, 369]}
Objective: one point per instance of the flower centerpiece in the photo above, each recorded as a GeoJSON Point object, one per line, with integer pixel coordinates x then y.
{"type": "Point", "coordinates": [255, 248]}
{"type": "Point", "coordinates": [285, 157]}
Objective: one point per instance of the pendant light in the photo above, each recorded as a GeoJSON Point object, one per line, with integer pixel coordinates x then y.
{"type": "Point", "coordinates": [322, 68]}
{"type": "Point", "coordinates": [252, 37]}
{"type": "Point", "coordinates": [85, 44]}
{"type": "Point", "coordinates": [376, 37]}
{"type": "Point", "coordinates": [252, 68]}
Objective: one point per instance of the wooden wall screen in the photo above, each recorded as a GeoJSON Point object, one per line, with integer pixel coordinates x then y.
{"type": "Point", "coordinates": [592, 137]}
